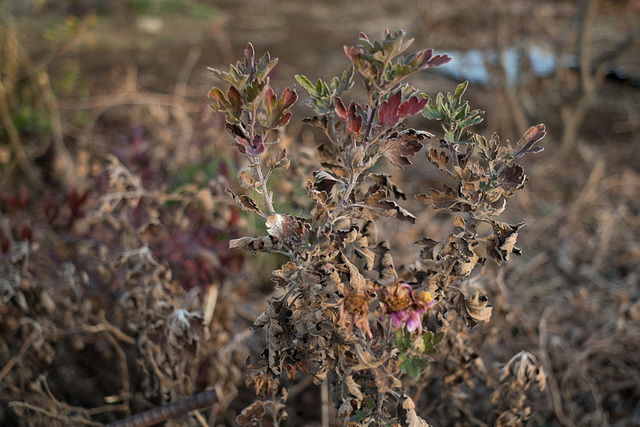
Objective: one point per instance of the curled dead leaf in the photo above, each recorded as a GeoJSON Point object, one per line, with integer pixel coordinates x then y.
{"type": "Point", "coordinates": [262, 413]}
{"type": "Point", "coordinates": [246, 203]}
{"type": "Point", "coordinates": [377, 203]}
{"type": "Point", "coordinates": [473, 310]}
{"type": "Point", "coordinates": [254, 244]}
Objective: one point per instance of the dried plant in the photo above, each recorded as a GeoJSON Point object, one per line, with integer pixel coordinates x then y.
{"type": "Point", "coordinates": [344, 312]}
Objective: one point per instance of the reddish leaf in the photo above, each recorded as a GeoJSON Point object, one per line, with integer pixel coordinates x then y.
{"type": "Point", "coordinates": [355, 120]}
{"type": "Point", "coordinates": [17, 203]}
{"type": "Point", "coordinates": [529, 139]}
{"type": "Point", "coordinates": [277, 114]}
{"type": "Point", "coordinates": [235, 102]}
{"type": "Point", "coordinates": [341, 110]}
{"type": "Point", "coordinates": [439, 60]}
{"type": "Point", "coordinates": [412, 106]}
{"type": "Point", "coordinates": [388, 113]}
{"type": "Point", "coordinates": [254, 149]}
{"type": "Point", "coordinates": [289, 97]}
{"type": "Point", "coordinates": [270, 99]}
{"type": "Point", "coordinates": [283, 120]}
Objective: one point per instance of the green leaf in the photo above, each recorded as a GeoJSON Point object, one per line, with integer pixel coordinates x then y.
{"type": "Point", "coordinates": [432, 113]}
{"type": "Point", "coordinates": [306, 84]}
{"type": "Point", "coordinates": [402, 340]}
{"type": "Point", "coordinates": [437, 338]}
{"type": "Point", "coordinates": [412, 365]}
{"type": "Point", "coordinates": [450, 138]}
{"type": "Point", "coordinates": [460, 90]}
{"type": "Point", "coordinates": [339, 87]}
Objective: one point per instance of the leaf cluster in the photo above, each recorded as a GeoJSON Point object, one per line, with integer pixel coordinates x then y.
{"type": "Point", "coordinates": [251, 107]}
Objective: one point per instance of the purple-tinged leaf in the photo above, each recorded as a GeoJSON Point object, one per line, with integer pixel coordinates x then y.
{"type": "Point", "coordinates": [529, 139]}
{"type": "Point", "coordinates": [439, 60]}
{"type": "Point", "coordinates": [235, 102]}
{"type": "Point", "coordinates": [277, 110]}
{"type": "Point", "coordinates": [514, 177]}
{"type": "Point", "coordinates": [412, 106]}
{"type": "Point", "coordinates": [282, 120]}
{"type": "Point", "coordinates": [355, 119]}
{"type": "Point", "coordinates": [270, 99]}
{"type": "Point", "coordinates": [289, 97]}
{"type": "Point", "coordinates": [398, 147]}
{"type": "Point", "coordinates": [388, 113]}
{"type": "Point", "coordinates": [255, 148]}
{"type": "Point", "coordinates": [341, 110]}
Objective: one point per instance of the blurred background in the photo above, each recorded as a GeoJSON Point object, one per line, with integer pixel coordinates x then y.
{"type": "Point", "coordinates": [113, 169]}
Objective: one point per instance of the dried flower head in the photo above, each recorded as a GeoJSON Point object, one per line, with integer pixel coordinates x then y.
{"type": "Point", "coordinates": [404, 307]}
{"type": "Point", "coordinates": [354, 310]}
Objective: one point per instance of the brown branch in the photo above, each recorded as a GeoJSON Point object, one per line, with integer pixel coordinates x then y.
{"type": "Point", "coordinates": [23, 349]}
{"type": "Point", "coordinates": [157, 415]}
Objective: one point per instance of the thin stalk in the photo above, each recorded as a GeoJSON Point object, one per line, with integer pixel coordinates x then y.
{"type": "Point", "coordinates": [254, 162]}
{"type": "Point", "coordinates": [264, 191]}
{"type": "Point", "coordinates": [371, 115]}
{"type": "Point", "coordinates": [343, 200]}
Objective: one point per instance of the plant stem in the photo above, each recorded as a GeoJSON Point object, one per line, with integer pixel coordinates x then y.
{"type": "Point", "coordinates": [370, 116]}
{"type": "Point", "coordinates": [255, 163]}
{"type": "Point", "coordinates": [345, 197]}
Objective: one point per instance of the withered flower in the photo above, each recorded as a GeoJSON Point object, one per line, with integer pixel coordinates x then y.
{"type": "Point", "coordinates": [404, 307]}
{"type": "Point", "coordinates": [354, 310]}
